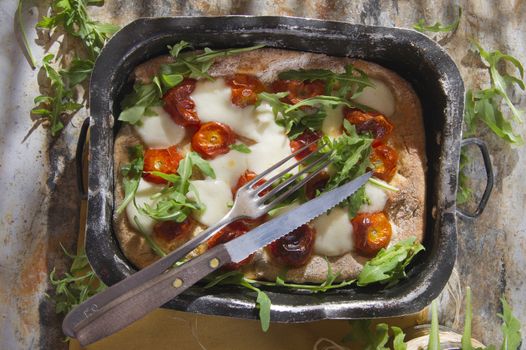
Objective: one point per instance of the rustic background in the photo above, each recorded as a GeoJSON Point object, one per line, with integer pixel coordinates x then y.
{"type": "Point", "coordinates": [39, 204]}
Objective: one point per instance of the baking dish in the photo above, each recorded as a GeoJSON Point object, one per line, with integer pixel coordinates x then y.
{"type": "Point", "coordinates": [415, 57]}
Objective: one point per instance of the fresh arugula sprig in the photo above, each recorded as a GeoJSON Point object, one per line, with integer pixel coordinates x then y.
{"type": "Point", "coordinates": [347, 85]}
{"type": "Point", "coordinates": [388, 264]}
{"type": "Point", "coordinates": [240, 147]}
{"type": "Point", "coordinates": [485, 105]}
{"type": "Point", "coordinates": [31, 59]}
{"type": "Point", "coordinates": [72, 16]}
{"type": "Point", "coordinates": [438, 27]}
{"type": "Point", "coordinates": [75, 286]}
{"type": "Point", "coordinates": [173, 202]}
{"type": "Point", "coordinates": [60, 101]}
{"type": "Point", "coordinates": [131, 175]}
{"type": "Point", "coordinates": [185, 65]}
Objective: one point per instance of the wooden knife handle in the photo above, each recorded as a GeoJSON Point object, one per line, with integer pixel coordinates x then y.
{"type": "Point", "coordinates": [137, 302]}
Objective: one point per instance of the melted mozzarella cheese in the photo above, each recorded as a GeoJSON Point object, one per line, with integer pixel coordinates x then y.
{"type": "Point", "coordinates": [160, 131]}
{"type": "Point", "coordinates": [142, 196]}
{"type": "Point", "coordinates": [333, 123]}
{"type": "Point", "coordinates": [229, 167]}
{"type": "Point", "coordinates": [333, 233]}
{"type": "Point", "coordinates": [379, 98]}
{"type": "Point", "coordinates": [377, 199]}
{"type": "Point", "coordinates": [213, 103]}
{"type": "Point", "coordinates": [273, 144]}
{"type": "Point", "coordinates": [215, 195]}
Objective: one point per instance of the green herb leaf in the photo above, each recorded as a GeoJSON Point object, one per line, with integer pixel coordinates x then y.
{"type": "Point", "coordinates": [388, 266]}
{"type": "Point", "coordinates": [240, 147]}
{"type": "Point", "coordinates": [131, 175]}
{"type": "Point", "coordinates": [362, 334]}
{"type": "Point", "coordinates": [20, 23]}
{"type": "Point", "coordinates": [202, 164]}
{"type": "Point", "coordinates": [466, 336]}
{"type": "Point", "coordinates": [434, 336]}
{"type": "Point", "coordinates": [398, 341]}
{"type": "Point", "coordinates": [438, 27]}
{"type": "Point", "coordinates": [511, 328]}
{"type": "Point", "coordinates": [134, 105]}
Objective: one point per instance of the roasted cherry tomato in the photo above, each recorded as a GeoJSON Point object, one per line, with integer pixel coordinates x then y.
{"type": "Point", "coordinates": [371, 232]}
{"type": "Point", "coordinates": [304, 139]}
{"type": "Point", "coordinates": [299, 90]}
{"type": "Point", "coordinates": [213, 139]}
{"type": "Point", "coordinates": [245, 89]}
{"type": "Point", "coordinates": [372, 122]}
{"type": "Point", "coordinates": [171, 234]}
{"type": "Point", "coordinates": [234, 230]}
{"type": "Point", "coordinates": [164, 160]}
{"type": "Point", "coordinates": [318, 182]}
{"type": "Point", "coordinates": [179, 105]}
{"type": "Point", "coordinates": [385, 160]}
{"type": "Point", "coordinates": [295, 248]}
{"type": "Point", "coordinates": [246, 177]}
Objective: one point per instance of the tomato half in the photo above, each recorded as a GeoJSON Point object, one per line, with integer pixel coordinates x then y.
{"type": "Point", "coordinates": [385, 160]}
{"type": "Point", "coordinates": [373, 122]}
{"type": "Point", "coordinates": [295, 248]}
{"type": "Point", "coordinates": [245, 89]}
{"type": "Point", "coordinates": [213, 139]}
{"type": "Point", "coordinates": [227, 234]}
{"type": "Point", "coordinates": [298, 90]}
{"type": "Point", "coordinates": [302, 140]}
{"type": "Point", "coordinates": [179, 105]}
{"type": "Point", "coordinates": [318, 182]}
{"type": "Point", "coordinates": [371, 232]}
{"type": "Point", "coordinates": [164, 160]}
{"type": "Point", "coordinates": [173, 234]}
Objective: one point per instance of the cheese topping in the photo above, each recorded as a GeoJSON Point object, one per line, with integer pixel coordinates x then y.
{"type": "Point", "coordinates": [377, 199]}
{"type": "Point", "coordinates": [160, 131]}
{"type": "Point", "coordinates": [142, 196]}
{"type": "Point", "coordinates": [333, 123]}
{"type": "Point", "coordinates": [216, 197]}
{"type": "Point", "coordinates": [333, 233]}
{"type": "Point", "coordinates": [379, 98]}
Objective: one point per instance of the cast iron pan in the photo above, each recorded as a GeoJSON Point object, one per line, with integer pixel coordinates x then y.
{"type": "Point", "coordinates": [414, 56]}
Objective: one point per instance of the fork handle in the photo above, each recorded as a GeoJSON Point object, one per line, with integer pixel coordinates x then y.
{"type": "Point", "coordinates": [136, 303]}
{"type": "Point", "coordinates": [99, 302]}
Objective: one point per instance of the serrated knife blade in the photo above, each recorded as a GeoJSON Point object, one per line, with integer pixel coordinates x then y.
{"type": "Point", "coordinates": [241, 247]}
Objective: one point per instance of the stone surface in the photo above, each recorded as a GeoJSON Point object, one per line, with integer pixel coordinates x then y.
{"type": "Point", "coordinates": [39, 203]}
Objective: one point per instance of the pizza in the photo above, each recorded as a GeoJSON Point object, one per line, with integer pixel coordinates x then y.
{"type": "Point", "coordinates": [196, 129]}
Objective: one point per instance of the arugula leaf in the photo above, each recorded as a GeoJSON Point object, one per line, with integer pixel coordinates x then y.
{"type": "Point", "coordinates": [202, 164]}
{"type": "Point", "coordinates": [434, 336]}
{"type": "Point", "coordinates": [134, 105]}
{"type": "Point", "coordinates": [466, 336]}
{"type": "Point", "coordinates": [511, 328]}
{"type": "Point", "coordinates": [369, 340]}
{"type": "Point", "coordinates": [240, 147]}
{"type": "Point", "coordinates": [388, 266]}
{"type": "Point", "coordinates": [59, 102]}
{"type": "Point", "coordinates": [131, 175]}
{"type": "Point", "coordinates": [75, 286]}
{"type": "Point", "coordinates": [421, 25]}
{"type": "Point", "coordinates": [398, 341]}
{"type": "Point", "coordinates": [353, 80]}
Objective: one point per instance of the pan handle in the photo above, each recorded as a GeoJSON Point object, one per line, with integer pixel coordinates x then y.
{"type": "Point", "coordinates": [78, 158]}
{"type": "Point", "coordinates": [489, 176]}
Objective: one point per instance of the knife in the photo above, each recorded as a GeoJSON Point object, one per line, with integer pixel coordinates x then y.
{"type": "Point", "coordinates": [132, 306]}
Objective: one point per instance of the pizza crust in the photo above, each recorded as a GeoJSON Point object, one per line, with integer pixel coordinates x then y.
{"type": "Point", "coordinates": [406, 208]}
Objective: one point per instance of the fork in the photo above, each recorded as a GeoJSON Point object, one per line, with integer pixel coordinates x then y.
{"type": "Point", "coordinates": [252, 201]}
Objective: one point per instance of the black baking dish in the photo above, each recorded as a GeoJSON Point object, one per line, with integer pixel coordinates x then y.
{"type": "Point", "coordinates": [415, 57]}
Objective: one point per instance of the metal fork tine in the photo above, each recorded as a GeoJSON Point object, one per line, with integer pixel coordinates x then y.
{"type": "Point", "coordinates": [276, 177]}
{"type": "Point", "coordinates": [293, 178]}
{"type": "Point", "coordinates": [294, 188]}
{"type": "Point", "coordinates": [277, 165]}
